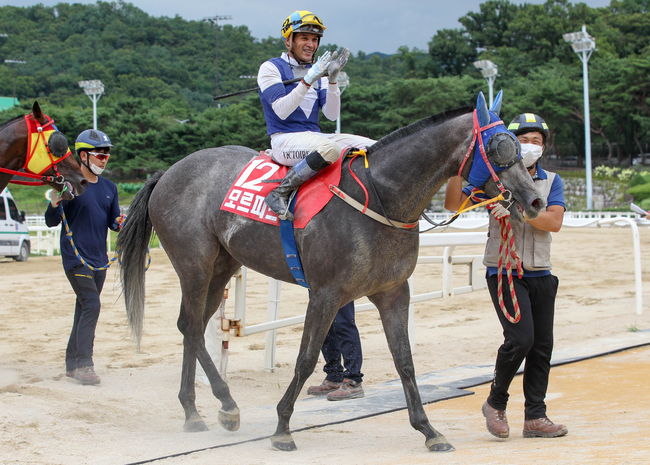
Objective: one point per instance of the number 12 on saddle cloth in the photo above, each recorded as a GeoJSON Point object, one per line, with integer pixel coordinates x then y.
{"type": "Point", "coordinates": [246, 195]}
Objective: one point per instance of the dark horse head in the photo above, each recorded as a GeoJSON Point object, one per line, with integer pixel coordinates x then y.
{"type": "Point", "coordinates": [64, 174]}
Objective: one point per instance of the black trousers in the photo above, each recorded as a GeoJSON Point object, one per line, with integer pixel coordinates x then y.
{"type": "Point", "coordinates": [531, 338]}
{"type": "Point", "coordinates": [343, 342]}
{"type": "Point", "coordinates": [87, 284]}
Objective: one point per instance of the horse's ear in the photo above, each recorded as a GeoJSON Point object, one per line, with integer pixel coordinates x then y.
{"type": "Point", "coordinates": [496, 105]}
{"type": "Point", "coordinates": [36, 110]}
{"type": "Point", "coordinates": [482, 110]}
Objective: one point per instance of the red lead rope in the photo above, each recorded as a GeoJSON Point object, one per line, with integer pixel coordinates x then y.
{"type": "Point", "coordinates": [508, 254]}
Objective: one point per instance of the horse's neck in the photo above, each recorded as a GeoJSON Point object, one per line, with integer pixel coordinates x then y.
{"type": "Point", "coordinates": [410, 170]}
{"type": "Point", "coordinates": [13, 145]}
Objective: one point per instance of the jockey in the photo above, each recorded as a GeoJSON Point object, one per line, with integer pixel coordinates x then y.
{"type": "Point", "coordinates": [291, 110]}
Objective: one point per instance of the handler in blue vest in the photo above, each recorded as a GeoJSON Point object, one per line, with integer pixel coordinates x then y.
{"type": "Point", "coordinates": [532, 337]}
{"type": "Point", "coordinates": [291, 112]}
{"type": "Point", "coordinates": [89, 217]}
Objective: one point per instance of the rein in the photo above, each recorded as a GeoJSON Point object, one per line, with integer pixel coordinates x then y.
{"type": "Point", "coordinates": [363, 208]}
{"type": "Point", "coordinates": [477, 130]}
{"type": "Point", "coordinates": [34, 127]}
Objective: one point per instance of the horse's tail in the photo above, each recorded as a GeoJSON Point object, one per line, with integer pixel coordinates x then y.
{"type": "Point", "coordinates": [132, 248]}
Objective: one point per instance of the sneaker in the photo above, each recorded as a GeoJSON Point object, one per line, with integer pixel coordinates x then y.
{"type": "Point", "coordinates": [70, 373]}
{"type": "Point", "coordinates": [543, 428]}
{"type": "Point", "coordinates": [324, 388]}
{"type": "Point", "coordinates": [349, 390]}
{"type": "Point", "coordinates": [496, 421]}
{"type": "Point", "coordinates": [86, 375]}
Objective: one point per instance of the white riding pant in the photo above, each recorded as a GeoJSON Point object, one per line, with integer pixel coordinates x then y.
{"type": "Point", "coordinates": [290, 147]}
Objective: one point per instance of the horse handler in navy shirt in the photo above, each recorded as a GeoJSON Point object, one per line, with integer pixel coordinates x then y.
{"type": "Point", "coordinates": [89, 217]}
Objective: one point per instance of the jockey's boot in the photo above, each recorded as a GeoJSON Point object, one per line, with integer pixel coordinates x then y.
{"type": "Point", "coordinates": [278, 198]}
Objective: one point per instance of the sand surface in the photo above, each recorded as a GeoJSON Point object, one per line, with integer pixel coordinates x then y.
{"type": "Point", "coordinates": [134, 415]}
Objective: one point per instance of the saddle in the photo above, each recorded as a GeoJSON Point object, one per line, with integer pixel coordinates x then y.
{"type": "Point", "coordinates": [261, 175]}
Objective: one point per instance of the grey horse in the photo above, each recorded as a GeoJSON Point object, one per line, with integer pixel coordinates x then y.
{"type": "Point", "coordinates": [345, 254]}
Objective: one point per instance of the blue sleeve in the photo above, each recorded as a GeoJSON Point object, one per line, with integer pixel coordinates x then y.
{"type": "Point", "coordinates": [274, 92]}
{"type": "Point", "coordinates": [52, 216]}
{"type": "Point", "coordinates": [556, 195]}
{"type": "Point", "coordinates": [114, 211]}
{"type": "Point", "coordinates": [322, 97]}
{"type": "Point", "coordinates": [467, 190]}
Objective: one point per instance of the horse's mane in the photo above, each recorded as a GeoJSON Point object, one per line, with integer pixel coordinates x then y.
{"type": "Point", "coordinates": [417, 126]}
{"type": "Point", "coordinates": [7, 123]}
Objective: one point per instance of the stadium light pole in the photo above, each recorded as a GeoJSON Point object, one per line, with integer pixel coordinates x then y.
{"type": "Point", "coordinates": [583, 44]}
{"type": "Point", "coordinates": [344, 82]}
{"type": "Point", "coordinates": [489, 71]}
{"type": "Point", "coordinates": [94, 90]}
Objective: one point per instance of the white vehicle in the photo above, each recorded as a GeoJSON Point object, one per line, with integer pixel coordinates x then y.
{"type": "Point", "coordinates": [14, 235]}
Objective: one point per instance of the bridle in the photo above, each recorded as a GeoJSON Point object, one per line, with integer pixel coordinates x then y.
{"type": "Point", "coordinates": [34, 127]}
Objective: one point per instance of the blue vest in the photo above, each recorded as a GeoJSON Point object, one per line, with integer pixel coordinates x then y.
{"type": "Point", "coordinates": [296, 121]}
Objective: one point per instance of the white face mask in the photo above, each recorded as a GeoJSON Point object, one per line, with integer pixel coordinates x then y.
{"type": "Point", "coordinates": [530, 153]}
{"type": "Point", "coordinates": [96, 169]}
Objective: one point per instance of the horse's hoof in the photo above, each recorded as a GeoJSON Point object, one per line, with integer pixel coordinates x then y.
{"type": "Point", "coordinates": [229, 420]}
{"type": "Point", "coordinates": [283, 442]}
{"type": "Point", "coordinates": [195, 426]}
{"type": "Point", "coordinates": [439, 444]}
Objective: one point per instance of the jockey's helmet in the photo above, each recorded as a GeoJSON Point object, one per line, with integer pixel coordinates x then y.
{"type": "Point", "coordinates": [92, 139]}
{"type": "Point", "coordinates": [528, 122]}
{"type": "Point", "coordinates": [302, 21]}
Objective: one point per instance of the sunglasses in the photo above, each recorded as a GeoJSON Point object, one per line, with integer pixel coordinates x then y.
{"type": "Point", "coordinates": [100, 156]}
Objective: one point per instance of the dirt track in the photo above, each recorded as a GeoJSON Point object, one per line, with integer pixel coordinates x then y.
{"type": "Point", "coordinates": [46, 418]}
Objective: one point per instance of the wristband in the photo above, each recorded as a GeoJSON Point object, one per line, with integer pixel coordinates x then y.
{"type": "Point", "coordinates": [305, 83]}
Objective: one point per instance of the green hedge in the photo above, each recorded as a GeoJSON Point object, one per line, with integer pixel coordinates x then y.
{"type": "Point", "coordinates": [640, 192]}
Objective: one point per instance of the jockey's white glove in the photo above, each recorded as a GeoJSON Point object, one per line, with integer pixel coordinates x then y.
{"type": "Point", "coordinates": [318, 69]}
{"type": "Point", "coordinates": [55, 198]}
{"type": "Point", "coordinates": [498, 211]}
{"type": "Point", "coordinates": [336, 65]}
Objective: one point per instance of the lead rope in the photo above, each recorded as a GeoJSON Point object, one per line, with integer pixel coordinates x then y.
{"type": "Point", "coordinates": [68, 233]}
{"type": "Point", "coordinates": [507, 252]}
{"type": "Point", "coordinates": [509, 256]}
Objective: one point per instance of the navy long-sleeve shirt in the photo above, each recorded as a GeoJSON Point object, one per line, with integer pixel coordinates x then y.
{"type": "Point", "coordinates": [89, 217]}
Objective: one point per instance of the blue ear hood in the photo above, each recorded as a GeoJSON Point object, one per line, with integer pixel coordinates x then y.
{"type": "Point", "coordinates": [480, 173]}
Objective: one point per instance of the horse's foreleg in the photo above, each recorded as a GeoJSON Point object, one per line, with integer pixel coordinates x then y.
{"type": "Point", "coordinates": [393, 309]}
{"type": "Point", "coordinates": [319, 318]}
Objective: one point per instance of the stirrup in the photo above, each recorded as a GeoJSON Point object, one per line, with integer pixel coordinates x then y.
{"type": "Point", "coordinates": [283, 216]}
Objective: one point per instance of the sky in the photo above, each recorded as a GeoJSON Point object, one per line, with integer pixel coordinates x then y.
{"type": "Point", "coordinates": [360, 25]}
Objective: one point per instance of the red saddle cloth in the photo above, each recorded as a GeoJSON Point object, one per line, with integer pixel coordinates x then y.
{"type": "Point", "coordinates": [246, 195]}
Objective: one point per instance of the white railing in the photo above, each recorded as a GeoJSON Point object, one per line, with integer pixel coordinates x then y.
{"type": "Point", "coordinates": [448, 241]}
{"type": "Point", "coordinates": [45, 240]}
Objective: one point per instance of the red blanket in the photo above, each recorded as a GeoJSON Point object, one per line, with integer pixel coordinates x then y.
{"type": "Point", "coordinates": [246, 195]}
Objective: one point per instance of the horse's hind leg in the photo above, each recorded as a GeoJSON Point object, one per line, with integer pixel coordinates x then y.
{"type": "Point", "coordinates": [229, 413]}
{"type": "Point", "coordinates": [196, 280]}
{"type": "Point", "coordinates": [393, 309]}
